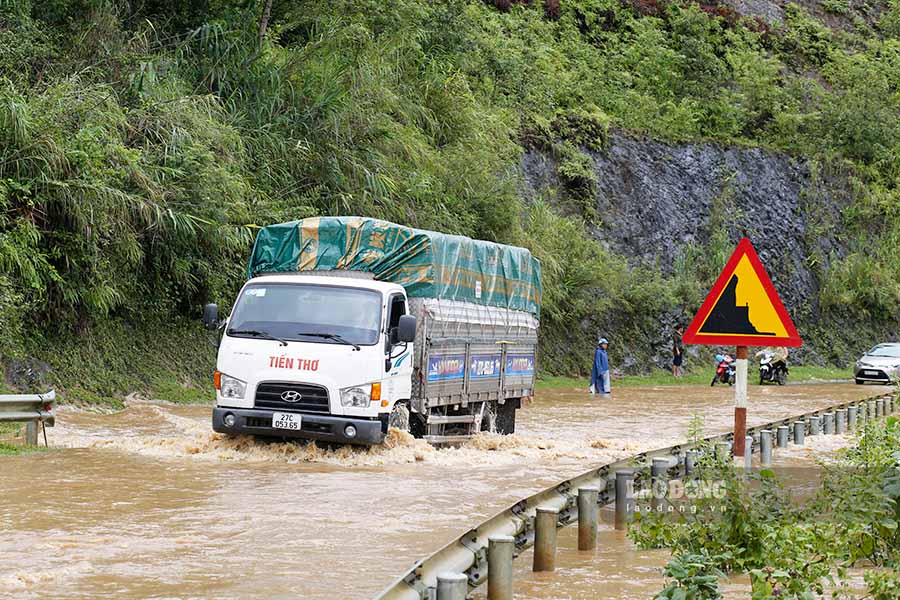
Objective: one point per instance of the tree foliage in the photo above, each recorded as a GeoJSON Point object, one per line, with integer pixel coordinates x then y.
{"type": "Point", "coordinates": [141, 143]}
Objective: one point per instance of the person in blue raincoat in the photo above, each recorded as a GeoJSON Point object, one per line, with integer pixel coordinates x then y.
{"type": "Point", "coordinates": [600, 370]}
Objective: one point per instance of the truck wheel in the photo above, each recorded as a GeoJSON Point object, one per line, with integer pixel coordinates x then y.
{"type": "Point", "coordinates": [417, 426]}
{"type": "Point", "coordinates": [404, 419]}
{"type": "Point", "coordinates": [506, 416]}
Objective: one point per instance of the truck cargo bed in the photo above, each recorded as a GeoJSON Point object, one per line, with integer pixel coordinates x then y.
{"type": "Point", "coordinates": [467, 353]}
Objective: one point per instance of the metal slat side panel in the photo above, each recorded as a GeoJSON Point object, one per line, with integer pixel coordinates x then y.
{"type": "Point", "coordinates": [464, 555]}
{"type": "Point", "coordinates": [449, 331]}
{"type": "Point", "coordinates": [445, 370]}
{"type": "Point", "coordinates": [484, 367]}
{"type": "Point", "coordinates": [520, 364]}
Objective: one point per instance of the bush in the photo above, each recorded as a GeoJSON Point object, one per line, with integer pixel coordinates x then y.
{"type": "Point", "coordinates": [789, 550]}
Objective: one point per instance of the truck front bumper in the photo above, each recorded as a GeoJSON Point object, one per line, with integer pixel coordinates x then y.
{"type": "Point", "coordinates": [326, 428]}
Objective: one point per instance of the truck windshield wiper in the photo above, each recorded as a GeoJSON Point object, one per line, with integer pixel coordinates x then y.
{"type": "Point", "coordinates": [255, 333]}
{"type": "Point", "coordinates": [330, 336]}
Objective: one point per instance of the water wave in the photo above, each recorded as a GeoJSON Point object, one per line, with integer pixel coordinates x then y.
{"type": "Point", "coordinates": [161, 431]}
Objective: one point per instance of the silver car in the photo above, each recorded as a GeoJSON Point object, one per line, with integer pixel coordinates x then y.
{"type": "Point", "coordinates": [881, 364]}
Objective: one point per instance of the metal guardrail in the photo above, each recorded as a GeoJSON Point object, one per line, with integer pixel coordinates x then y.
{"type": "Point", "coordinates": [33, 409]}
{"type": "Point", "coordinates": [468, 554]}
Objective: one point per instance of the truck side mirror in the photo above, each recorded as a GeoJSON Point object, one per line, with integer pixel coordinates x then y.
{"type": "Point", "coordinates": [211, 316]}
{"type": "Point", "coordinates": [406, 328]}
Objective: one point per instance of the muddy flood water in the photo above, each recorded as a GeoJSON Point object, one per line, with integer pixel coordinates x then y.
{"type": "Point", "coordinates": [150, 503]}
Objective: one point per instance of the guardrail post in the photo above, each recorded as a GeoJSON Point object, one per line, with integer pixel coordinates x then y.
{"type": "Point", "coordinates": [690, 461]}
{"type": "Point", "coordinates": [840, 421]}
{"type": "Point", "coordinates": [545, 521]}
{"type": "Point", "coordinates": [870, 412]}
{"type": "Point", "coordinates": [452, 586]}
{"type": "Point", "coordinates": [658, 482]}
{"type": "Point", "coordinates": [852, 418]}
{"type": "Point", "coordinates": [765, 447]}
{"type": "Point", "coordinates": [748, 452]}
{"type": "Point", "coordinates": [782, 435]}
{"type": "Point", "coordinates": [799, 432]}
{"type": "Point", "coordinates": [879, 407]}
{"type": "Point", "coordinates": [500, 566]}
{"type": "Point", "coordinates": [829, 423]}
{"type": "Point", "coordinates": [31, 433]}
{"type": "Point", "coordinates": [815, 425]}
{"type": "Point", "coordinates": [624, 509]}
{"type": "Point", "coordinates": [587, 518]}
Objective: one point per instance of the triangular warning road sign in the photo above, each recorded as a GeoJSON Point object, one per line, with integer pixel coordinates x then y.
{"type": "Point", "coordinates": [743, 308]}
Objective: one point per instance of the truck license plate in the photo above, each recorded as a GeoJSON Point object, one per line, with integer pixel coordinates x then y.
{"type": "Point", "coordinates": [286, 421]}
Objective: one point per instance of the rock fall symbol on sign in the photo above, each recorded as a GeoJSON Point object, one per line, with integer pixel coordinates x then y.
{"type": "Point", "coordinates": [743, 308]}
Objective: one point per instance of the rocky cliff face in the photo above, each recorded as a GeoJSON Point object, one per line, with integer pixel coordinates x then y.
{"type": "Point", "coordinates": [656, 200]}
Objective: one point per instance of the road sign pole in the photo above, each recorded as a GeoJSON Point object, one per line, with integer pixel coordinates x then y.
{"type": "Point", "coordinates": [742, 309]}
{"type": "Point", "coordinates": [740, 400]}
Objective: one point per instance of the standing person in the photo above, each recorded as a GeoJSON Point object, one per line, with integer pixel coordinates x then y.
{"type": "Point", "coordinates": [600, 370]}
{"type": "Point", "coordinates": [677, 352]}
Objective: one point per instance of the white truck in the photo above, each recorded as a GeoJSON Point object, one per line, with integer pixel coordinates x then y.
{"type": "Point", "coordinates": [349, 325]}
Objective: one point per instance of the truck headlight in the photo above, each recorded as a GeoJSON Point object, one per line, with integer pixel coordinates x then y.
{"type": "Point", "coordinates": [232, 387]}
{"type": "Point", "coordinates": [357, 396]}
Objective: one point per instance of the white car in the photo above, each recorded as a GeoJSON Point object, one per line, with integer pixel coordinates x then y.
{"type": "Point", "coordinates": [881, 364]}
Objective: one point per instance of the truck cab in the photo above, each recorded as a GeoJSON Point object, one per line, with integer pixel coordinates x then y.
{"type": "Point", "coordinates": [322, 357]}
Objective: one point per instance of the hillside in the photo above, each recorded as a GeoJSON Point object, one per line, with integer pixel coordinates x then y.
{"type": "Point", "coordinates": [628, 144]}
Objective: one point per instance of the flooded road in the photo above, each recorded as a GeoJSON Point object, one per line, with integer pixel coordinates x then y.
{"type": "Point", "coordinates": [150, 502]}
{"type": "Point", "coordinates": [619, 570]}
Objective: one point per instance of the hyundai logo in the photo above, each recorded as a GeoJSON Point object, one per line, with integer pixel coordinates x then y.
{"type": "Point", "coordinates": [291, 396]}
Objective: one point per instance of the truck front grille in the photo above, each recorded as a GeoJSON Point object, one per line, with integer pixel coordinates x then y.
{"type": "Point", "coordinates": [307, 397]}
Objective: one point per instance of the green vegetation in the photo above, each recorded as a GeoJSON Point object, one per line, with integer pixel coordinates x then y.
{"type": "Point", "coordinates": [15, 450]}
{"type": "Point", "coordinates": [8, 430]}
{"type": "Point", "coordinates": [790, 549]}
{"type": "Point", "coordinates": [12, 432]}
{"type": "Point", "coordinates": [170, 361]}
{"type": "Point", "coordinates": [9, 449]}
{"type": "Point", "coordinates": [142, 142]}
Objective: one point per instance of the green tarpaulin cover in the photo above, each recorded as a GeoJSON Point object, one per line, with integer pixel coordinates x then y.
{"type": "Point", "coordinates": [426, 263]}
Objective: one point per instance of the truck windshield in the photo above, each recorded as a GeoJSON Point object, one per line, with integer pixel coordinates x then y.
{"type": "Point", "coordinates": [285, 310]}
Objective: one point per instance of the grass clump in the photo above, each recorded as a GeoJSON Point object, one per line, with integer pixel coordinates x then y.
{"type": "Point", "coordinates": [9, 449]}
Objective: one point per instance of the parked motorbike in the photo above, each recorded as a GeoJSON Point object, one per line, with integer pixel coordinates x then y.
{"type": "Point", "coordinates": [724, 370]}
{"type": "Point", "coordinates": [772, 370]}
